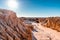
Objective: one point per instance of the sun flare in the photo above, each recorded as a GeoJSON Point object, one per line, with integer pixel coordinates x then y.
{"type": "Point", "coordinates": [12, 4]}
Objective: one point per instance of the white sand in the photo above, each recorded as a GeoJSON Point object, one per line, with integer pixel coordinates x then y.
{"type": "Point", "coordinates": [45, 33]}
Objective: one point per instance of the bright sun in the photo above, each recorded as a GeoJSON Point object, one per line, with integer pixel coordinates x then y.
{"type": "Point", "coordinates": [12, 4]}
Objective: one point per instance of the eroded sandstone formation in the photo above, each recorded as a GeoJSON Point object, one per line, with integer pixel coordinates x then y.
{"type": "Point", "coordinates": [12, 28]}
{"type": "Point", "coordinates": [51, 22]}
{"type": "Point", "coordinates": [32, 19]}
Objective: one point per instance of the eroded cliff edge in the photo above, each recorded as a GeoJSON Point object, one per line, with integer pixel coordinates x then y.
{"type": "Point", "coordinates": [12, 28]}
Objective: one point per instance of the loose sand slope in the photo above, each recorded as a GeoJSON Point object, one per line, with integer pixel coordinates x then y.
{"type": "Point", "coordinates": [44, 33]}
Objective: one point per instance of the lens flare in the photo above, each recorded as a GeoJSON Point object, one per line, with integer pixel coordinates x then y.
{"type": "Point", "coordinates": [12, 4]}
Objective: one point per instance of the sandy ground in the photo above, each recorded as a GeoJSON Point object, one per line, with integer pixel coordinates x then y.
{"type": "Point", "coordinates": [44, 33]}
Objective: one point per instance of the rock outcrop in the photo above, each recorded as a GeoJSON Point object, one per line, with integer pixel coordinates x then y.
{"type": "Point", "coordinates": [12, 28]}
{"type": "Point", "coordinates": [32, 19]}
{"type": "Point", "coordinates": [51, 22]}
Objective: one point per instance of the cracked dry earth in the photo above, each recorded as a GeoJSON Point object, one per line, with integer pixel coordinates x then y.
{"type": "Point", "coordinates": [44, 33]}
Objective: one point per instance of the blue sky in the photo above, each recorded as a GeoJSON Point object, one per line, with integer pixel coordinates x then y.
{"type": "Point", "coordinates": [35, 8]}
